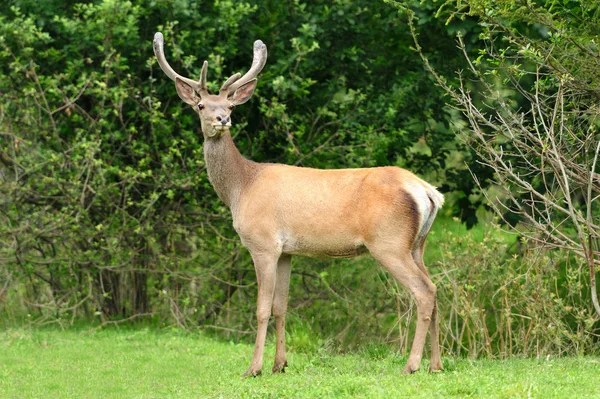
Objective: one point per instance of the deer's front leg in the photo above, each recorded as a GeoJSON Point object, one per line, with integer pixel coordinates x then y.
{"type": "Point", "coordinates": [280, 302]}
{"type": "Point", "coordinates": [266, 270]}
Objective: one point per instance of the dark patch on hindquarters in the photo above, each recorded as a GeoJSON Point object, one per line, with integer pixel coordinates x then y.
{"type": "Point", "coordinates": [410, 212]}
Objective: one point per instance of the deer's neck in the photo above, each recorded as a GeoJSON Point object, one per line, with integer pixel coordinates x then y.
{"type": "Point", "coordinates": [228, 171]}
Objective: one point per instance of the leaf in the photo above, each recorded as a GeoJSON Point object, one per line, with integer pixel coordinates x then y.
{"type": "Point", "coordinates": [420, 148]}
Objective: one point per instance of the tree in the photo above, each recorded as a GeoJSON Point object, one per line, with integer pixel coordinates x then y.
{"type": "Point", "coordinates": [531, 100]}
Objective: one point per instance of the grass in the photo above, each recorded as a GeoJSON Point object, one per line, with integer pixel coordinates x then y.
{"type": "Point", "coordinates": [147, 364]}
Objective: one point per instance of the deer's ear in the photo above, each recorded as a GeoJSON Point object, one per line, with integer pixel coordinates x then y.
{"type": "Point", "coordinates": [243, 93]}
{"type": "Point", "coordinates": [186, 92]}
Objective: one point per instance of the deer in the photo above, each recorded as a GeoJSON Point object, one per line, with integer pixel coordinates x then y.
{"type": "Point", "coordinates": [280, 211]}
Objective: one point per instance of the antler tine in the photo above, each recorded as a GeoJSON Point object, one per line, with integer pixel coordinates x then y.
{"type": "Point", "coordinates": [258, 62]}
{"type": "Point", "coordinates": [162, 61]}
{"type": "Point", "coordinates": [202, 83]}
{"type": "Point", "coordinates": [229, 81]}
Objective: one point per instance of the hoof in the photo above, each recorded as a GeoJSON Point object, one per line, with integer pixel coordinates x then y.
{"type": "Point", "coordinates": [251, 373]}
{"type": "Point", "coordinates": [408, 369]}
{"type": "Point", "coordinates": [280, 368]}
{"type": "Point", "coordinates": [436, 367]}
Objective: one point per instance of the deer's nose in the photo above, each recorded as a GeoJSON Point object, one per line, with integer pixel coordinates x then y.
{"type": "Point", "coordinates": [223, 119]}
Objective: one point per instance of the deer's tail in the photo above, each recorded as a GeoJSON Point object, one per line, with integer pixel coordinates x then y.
{"type": "Point", "coordinates": [435, 200]}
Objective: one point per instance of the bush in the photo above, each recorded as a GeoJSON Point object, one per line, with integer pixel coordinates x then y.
{"type": "Point", "coordinates": [107, 214]}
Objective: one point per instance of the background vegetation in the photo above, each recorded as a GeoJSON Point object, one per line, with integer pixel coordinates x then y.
{"type": "Point", "coordinates": [107, 214]}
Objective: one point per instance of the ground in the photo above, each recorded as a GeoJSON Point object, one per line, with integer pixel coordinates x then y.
{"type": "Point", "coordinates": [143, 363]}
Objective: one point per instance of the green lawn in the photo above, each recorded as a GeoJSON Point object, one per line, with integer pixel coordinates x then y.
{"type": "Point", "coordinates": [147, 364]}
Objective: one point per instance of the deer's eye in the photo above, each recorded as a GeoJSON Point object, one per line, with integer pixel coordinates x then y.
{"type": "Point", "coordinates": [200, 107]}
{"type": "Point", "coordinates": [231, 106]}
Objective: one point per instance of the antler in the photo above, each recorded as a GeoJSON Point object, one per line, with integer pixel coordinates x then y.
{"type": "Point", "coordinates": [230, 85]}
{"type": "Point", "coordinates": [229, 81]}
{"type": "Point", "coordinates": [258, 62]}
{"type": "Point", "coordinates": [202, 83]}
{"type": "Point", "coordinates": [164, 65]}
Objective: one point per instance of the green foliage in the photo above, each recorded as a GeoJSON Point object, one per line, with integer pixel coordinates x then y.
{"type": "Point", "coordinates": [531, 101]}
{"type": "Point", "coordinates": [503, 303]}
{"type": "Point", "coordinates": [145, 364]}
{"type": "Point", "coordinates": [106, 208]}
{"type": "Point", "coordinates": [107, 213]}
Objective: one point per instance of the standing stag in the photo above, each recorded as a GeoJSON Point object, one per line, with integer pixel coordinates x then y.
{"type": "Point", "coordinates": [281, 210]}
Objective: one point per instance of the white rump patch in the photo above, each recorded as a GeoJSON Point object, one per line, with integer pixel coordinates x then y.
{"type": "Point", "coordinates": [422, 200]}
{"type": "Point", "coordinates": [425, 195]}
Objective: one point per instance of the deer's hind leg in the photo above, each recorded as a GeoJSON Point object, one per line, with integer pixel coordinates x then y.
{"type": "Point", "coordinates": [434, 328]}
{"type": "Point", "coordinates": [404, 269]}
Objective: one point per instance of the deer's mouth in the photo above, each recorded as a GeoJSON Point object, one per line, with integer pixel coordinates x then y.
{"type": "Point", "coordinates": [217, 129]}
{"type": "Point", "coordinates": [220, 126]}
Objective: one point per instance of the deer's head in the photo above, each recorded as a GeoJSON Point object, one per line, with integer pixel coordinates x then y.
{"type": "Point", "coordinates": [214, 110]}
